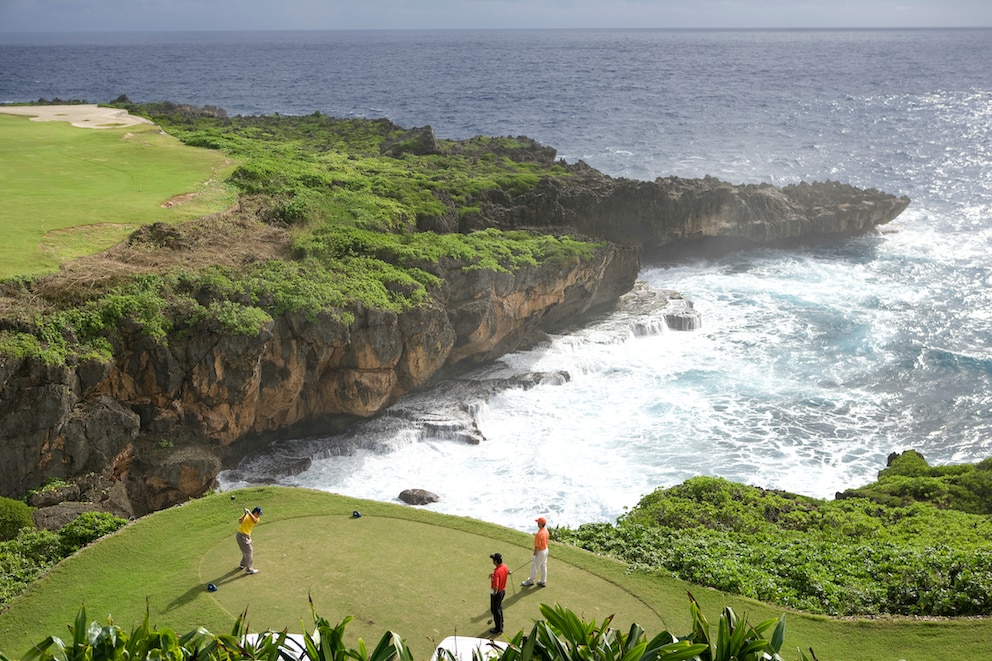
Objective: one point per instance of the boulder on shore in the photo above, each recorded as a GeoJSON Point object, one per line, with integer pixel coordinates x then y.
{"type": "Point", "coordinates": [418, 497]}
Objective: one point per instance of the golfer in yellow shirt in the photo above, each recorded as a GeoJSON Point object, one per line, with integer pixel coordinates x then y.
{"type": "Point", "coordinates": [246, 523]}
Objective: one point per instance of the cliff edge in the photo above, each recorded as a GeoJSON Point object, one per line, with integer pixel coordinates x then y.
{"type": "Point", "coordinates": [162, 416]}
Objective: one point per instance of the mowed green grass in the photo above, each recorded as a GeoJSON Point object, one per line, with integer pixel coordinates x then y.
{"type": "Point", "coordinates": [67, 191]}
{"type": "Point", "coordinates": [396, 568]}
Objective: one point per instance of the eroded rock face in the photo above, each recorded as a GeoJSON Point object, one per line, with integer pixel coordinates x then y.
{"type": "Point", "coordinates": [161, 416]}
{"type": "Point", "coordinates": [54, 517]}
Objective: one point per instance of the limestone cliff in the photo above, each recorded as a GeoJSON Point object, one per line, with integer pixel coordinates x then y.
{"type": "Point", "coordinates": [161, 416]}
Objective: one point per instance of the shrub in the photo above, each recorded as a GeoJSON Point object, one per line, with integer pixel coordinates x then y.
{"type": "Point", "coordinates": [86, 528]}
{"type": "Point", "coordinates": [41, 547]}
{"type": "Point", "coordinates": [18, 345]}
{"type": "Point", "coordinates": [25, 558]}
{"type": "Point", "coordinates": [909, 464]}
{"type": "Point", "coordinates": [14, 515]}
{"type": "Point", "coordinates": [909, 479]}
{"type": "Point", "coordinates": [33, 552]}
{"type": "Point", "coordinates": [894, 554]}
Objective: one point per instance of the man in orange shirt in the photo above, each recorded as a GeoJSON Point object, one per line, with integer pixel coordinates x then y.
{"type": "Point", "coordinates": [539, 563]}
{"type": "Point", "coordinates": [246, 524]}
{"type": "Point", "coordinates": [497, 590]}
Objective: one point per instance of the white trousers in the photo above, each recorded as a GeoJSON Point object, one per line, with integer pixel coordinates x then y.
{"type": "Point", "coordinates": [539, 567]}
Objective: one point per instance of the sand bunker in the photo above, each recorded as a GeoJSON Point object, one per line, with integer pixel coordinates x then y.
{"type": "Point", "coordinates": [85, 115]}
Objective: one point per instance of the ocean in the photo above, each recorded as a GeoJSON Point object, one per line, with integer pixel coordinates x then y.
{"type": "Point", "coordinates": [811, 366]}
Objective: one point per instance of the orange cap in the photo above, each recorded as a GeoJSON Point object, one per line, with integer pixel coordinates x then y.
{"type": "Point", "coordinates": [541, 521]}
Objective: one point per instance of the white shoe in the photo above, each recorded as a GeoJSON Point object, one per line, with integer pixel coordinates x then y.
{"type": "Point", "coordinates": [251, 571]}
{"type": "Point", "coordinates": [527, 583]}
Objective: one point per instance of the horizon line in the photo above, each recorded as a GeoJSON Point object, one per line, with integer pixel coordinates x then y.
{"type": "Point", "coordinates": [521, 29]}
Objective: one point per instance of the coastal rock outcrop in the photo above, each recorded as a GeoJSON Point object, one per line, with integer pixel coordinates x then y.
{"type": "Point", "coordinates": [674, 218]}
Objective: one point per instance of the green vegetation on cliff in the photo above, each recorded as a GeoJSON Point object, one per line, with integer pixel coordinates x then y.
{"type": "Point", "coordinates": [909, 479]}
{"type": "Point", "coordinates": [353, 209]}
{"type": "Point", "coordinates": [911, 543]}
{"type": "Point", "coordinates": [354, 172]}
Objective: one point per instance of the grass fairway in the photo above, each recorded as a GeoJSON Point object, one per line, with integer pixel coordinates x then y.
{"type": "Point", "coordinates": [69, 191]}
{"type": "Point", "coordinates": [421, 574]}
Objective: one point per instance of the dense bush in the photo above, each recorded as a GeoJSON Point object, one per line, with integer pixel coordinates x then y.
{"type": "Point", "coordinates": [86, 528]}
{"type": "Point", "coordinates": [336, 267]}
{"type": "Point", "coordinates": [25, 558]}
{"type": "Point", "coordinates": [33, 552]}
{"type": "Point", "coordinates": [14, 515]}
{"type": "Point", "coordinates": [909, 478]}
{"type": "Point", "coordinates": [843, 557]}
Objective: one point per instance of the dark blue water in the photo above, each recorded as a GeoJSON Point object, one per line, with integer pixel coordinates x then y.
{"type": "Point", "coordinates": [811, 366]}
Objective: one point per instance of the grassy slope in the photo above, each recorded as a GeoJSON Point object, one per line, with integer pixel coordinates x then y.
{"type": "Point", "coordinates": [421, 574]}
{"type": "Point", "coordinates": [54, 176]}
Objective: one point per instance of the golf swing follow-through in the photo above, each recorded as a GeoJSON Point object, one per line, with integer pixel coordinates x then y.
{"type": "Point", "coordinates": [246, 524]}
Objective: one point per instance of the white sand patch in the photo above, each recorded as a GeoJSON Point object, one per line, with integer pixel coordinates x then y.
{"type": "Point", "coordinates": [86, 115]}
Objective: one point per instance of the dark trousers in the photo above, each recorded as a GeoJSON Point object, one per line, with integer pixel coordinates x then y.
{"type": "Point", "coordinates": [496, 606]}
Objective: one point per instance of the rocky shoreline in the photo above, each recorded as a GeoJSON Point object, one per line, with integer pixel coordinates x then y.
{"type": "Point", "coordinates": [156, 424]}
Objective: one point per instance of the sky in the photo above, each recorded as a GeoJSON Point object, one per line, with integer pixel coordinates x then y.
{"type": "Point", "coordinates": [163, 15]}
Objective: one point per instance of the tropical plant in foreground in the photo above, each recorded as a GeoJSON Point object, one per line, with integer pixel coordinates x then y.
{"type": "Point", "coordinates": [736, 640]}
{"type": "Point", "coordinates": [566, 637]}
{"type": "Point", "coordinates": [327, 644]}
{"type": "Point", "coordinates": [95, 642]}
{"type": "Point", "coordinates": [561, 636]}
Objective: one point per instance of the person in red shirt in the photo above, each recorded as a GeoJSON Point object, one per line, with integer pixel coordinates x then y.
{"type": "Point", "coordinates": [497, 590]}
{"type": "Point", "coordinates": [539, 563]}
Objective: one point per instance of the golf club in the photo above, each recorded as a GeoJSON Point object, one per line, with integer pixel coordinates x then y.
{"type": "Point", "coordinates": [518, 569]}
